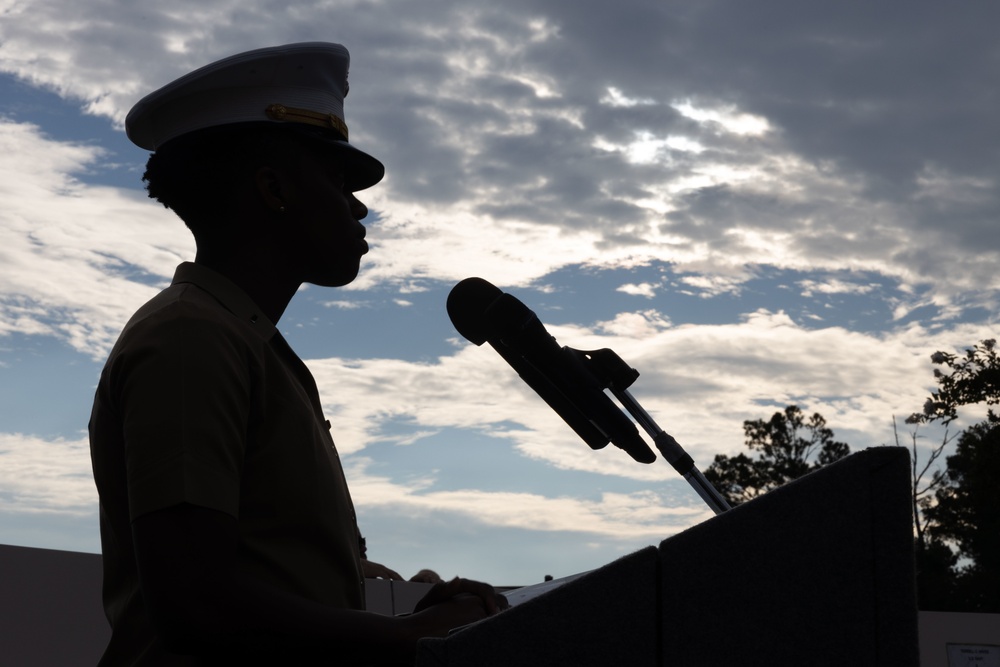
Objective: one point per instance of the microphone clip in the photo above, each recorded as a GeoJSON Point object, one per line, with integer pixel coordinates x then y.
{"type": "Point", "coordinates": [606, 367]}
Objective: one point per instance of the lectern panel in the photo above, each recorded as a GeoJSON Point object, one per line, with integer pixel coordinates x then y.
{"type": "Point", "coordinates": [818, 572]}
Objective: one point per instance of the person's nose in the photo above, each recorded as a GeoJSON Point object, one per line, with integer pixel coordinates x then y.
{"type": "Point", "coordinates": [358, 208]}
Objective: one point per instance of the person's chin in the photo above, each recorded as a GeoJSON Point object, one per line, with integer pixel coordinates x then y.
{"type": "Point", "coordinates": [338, 279]}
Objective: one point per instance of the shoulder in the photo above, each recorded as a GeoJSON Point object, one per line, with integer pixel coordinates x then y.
{"type": "Point", "coordinates": [189, 312]}
{"type": "Point", "coordinates": [186, 326]}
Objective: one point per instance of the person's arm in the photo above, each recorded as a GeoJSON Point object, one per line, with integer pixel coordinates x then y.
{"type": "Point", "coordinates": [373, 570]}
{"type": "Point", "coordinates": [200, 603]}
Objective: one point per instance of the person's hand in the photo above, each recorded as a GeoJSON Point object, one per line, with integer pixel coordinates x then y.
{"type": "Point", "coordinates": [492, 602]}
{"type": "Point", "coordinates": [373, 570]}
{"type": "Point", "coordinates": [452, 604]}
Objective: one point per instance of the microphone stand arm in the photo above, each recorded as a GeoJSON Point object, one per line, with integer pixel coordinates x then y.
{"type": "Point", "coordinates": [615, 375]}
{"type": "Point", "coordinates": [673, 452]}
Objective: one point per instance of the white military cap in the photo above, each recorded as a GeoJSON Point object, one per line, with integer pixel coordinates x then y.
{"type": "Point", "coordinates": [300, 85]}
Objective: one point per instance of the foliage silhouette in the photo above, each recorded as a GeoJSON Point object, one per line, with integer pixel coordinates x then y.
{"type": "Point", "coordinates": [958, 562]}
{"type": "Point", "coordinates": [788, 445]}
{"type": "Point", "coordinates": [973, 378]}
{"type": "Point", "coordinates": [965, 515]}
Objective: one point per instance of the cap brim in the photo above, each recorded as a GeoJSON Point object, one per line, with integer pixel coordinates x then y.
{"type": "Point", "coordinates": [363, 171]}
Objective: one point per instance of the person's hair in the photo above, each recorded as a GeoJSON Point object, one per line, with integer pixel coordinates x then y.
{"type": "Point", "coordinates": [200, 175]}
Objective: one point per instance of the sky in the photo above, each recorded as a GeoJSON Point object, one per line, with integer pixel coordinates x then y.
{"type": "Point", "coordinates": [755, 204]}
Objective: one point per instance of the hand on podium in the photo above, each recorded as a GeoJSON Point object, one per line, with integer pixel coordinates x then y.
{"type": "Point", "coordinates": [452, 604]}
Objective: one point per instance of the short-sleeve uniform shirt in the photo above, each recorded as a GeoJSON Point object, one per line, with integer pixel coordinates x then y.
{"type": "Point", "coordinates": [202, 401]}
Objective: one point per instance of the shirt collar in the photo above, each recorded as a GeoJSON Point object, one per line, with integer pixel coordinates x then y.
{"type": "Point", "coordinates": [226, 292]}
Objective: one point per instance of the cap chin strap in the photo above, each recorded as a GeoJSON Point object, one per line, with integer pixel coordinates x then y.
{"type": "Point", "coordinates": [282, 113]}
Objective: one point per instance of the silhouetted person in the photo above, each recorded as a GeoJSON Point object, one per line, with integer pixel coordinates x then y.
{"type": "Point", "coordinates": [227, 528]}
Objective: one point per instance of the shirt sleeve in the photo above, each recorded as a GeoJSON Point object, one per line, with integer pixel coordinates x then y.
{"type": "Point", "coordinates": [184, 387]}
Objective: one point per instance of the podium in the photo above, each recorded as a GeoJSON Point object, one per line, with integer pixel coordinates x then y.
{"type": "Point", "coordinates": [818, 572]}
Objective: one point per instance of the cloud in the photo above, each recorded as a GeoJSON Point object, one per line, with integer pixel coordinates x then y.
{"type": "Point", "coordinates": [647, 290]}
{"type": "Point", "coordinates": [636, 325]}
{"type": "Point", "coordinates": [343, 305]}
{"type": "Point", "coordinates": [825, 142]}
{"type": "Point", "coordinates": [642, 515]}
{"type": "Point", "coordinates": [834, 286]}
{"type": "Point", "coordinates": [520, 140]}
{"type": "Point", "coordinates": [75, 260]}
{"type": "Point", "coordinates": [710, 286]}
{"type": "Point", "coordinates": [46, 477]}
{"type": "Point", "coordinates": [699, 381]}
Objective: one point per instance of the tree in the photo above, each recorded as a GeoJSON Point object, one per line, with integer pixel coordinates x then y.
{"type": "Point", "coordinates": [963, 517]}
{"type": "Point", "coordinates": [788, 447]}
{"type": "Point", "coordinates": [966, 515]}
{"type": "Point", "coordinates": [934, 559]}
{"type": "Point", "coordinates": [974, 378]}
{"type": "Point", "coordinates": [922, 489]}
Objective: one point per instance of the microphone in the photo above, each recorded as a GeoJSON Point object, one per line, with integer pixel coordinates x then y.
{"type": "Point", "coordinates": [559, 375]}
{"type": "Point", "coordinates": [467, 305]}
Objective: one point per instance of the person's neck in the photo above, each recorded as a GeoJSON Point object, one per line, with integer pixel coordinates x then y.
{"type": "Point", "coordinates": [269, 287]}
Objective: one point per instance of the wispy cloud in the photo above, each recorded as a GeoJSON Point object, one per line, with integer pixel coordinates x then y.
{"type": "Point", "coordinates": [71, 252]}
{"type": "Point", "coordinates": [40, 476]}
{"type": "Point", "coordinates": [613, 516]}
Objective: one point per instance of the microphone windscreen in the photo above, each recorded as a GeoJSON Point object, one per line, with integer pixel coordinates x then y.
{"type": "Point", "coordinates": [506, 317]}
{"type": "Point", "coordinates": [467, 304]}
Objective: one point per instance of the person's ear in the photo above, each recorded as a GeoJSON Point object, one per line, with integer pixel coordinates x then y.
{"type": "Point", "coordinates": [270, 186]}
